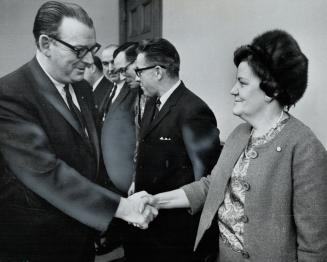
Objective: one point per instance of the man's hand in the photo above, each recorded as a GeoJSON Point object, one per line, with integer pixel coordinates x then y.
{"type": "Point", "coordinates": [137, 209]}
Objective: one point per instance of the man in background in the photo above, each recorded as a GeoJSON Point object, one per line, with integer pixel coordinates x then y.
{"type": "Point", "coordinates": [178, 143]}
{"type": "Point", "coordinates": [118, 137]}
{"type": "Point", "coordinates": [51, 205]}
{"type": "Point", "coordinates": [107, 60]}
{"type": "Point", "coordinates": [99, 83]}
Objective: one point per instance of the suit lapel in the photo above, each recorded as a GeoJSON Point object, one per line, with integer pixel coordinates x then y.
{"type": "Point", "coordinates": [44, 86]}
{"type": "Point", "coordinates": [120, 98]}
{"type": "Point", "coordinates": [220, 176]}
{"type": "Point", "coordinates": [224, 169]}
{"type": "Point", "coordinates": [89, 121]}
{"type": "Point", "coordinates": [167, 107]}
{"type": "Point", "coordinates": [104, 101]}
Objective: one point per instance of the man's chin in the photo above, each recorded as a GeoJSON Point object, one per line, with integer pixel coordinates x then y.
{"type": "Point", "coordinates": [113, 78]}
{"type": "Point", "coordinates": [133, 85]}
{"type": "Point", "coordinates": [77, 78]}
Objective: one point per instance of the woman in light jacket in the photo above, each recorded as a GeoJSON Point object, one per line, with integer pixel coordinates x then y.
{"type": "Point", "coordinates": [267, 195]}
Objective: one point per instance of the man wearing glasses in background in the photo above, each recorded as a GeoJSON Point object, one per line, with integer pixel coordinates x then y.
{"type": "Point", "coordinates": [118, 138]}
{"type": "Point", "coordinates": [50, 203]}
{"type": "Point", "coordinates": [178, 143]}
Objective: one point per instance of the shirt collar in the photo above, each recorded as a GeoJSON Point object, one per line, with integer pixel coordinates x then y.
{"type": "Point", "coordinates": [166, 95]}
{"type": "Point", "coordinates": [96, 83]}
{"type": "Point", "coordinates": [57, 84]}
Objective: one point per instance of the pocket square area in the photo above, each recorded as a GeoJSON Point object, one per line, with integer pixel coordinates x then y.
{"type": "Point", "coordinates": [165, 138]}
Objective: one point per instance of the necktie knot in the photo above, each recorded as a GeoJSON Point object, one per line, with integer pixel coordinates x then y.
{"type": "Point", "coordinates": [158, 103]}
{"type": "Point", "coordinates": [66, 88]}
{"type": "Point", "coordinates": [156, 108]}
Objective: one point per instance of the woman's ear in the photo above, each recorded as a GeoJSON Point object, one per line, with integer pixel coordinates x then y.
{"type": "Point", "coordinates": [44, 44]}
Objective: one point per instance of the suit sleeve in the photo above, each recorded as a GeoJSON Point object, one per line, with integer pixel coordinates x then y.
{"type": "Point", "coordinates": [201, 138]}
{"type": "Point", "coordinates": [310, 199]}
{"type": "Point", "coordinates": [28, 154]}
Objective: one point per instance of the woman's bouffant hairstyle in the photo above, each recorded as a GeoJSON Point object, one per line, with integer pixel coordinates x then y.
{"type": "Point", "coordinates": [160, 51]}
{"type": "Point", "coordinates": [50, 15]}
{"type": "Point", "coordinates": [276, 58]}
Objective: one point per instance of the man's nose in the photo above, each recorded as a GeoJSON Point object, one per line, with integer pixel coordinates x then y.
{"type": "Point", "coordinates": [111, 66]}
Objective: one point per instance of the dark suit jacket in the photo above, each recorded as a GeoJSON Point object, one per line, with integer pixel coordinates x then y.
{"type": "Point", "coordinates": [101, 90]}
{"type": "Point", "coordinates": [48, 190]}
{"type": "Point", "coordinates": [179, 146]}
{"type": "Point", "coordinates": [118, 138]}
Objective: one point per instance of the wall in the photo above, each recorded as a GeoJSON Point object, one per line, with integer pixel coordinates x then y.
{"type": "Point", "coordinates": [16, 25]}
{"type": "Point", "coordinates": [207, 32]}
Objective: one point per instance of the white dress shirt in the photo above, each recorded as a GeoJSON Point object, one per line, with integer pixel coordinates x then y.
{"type": "Point", "coordinates": [166, 95]}
{"type": "Point", "coordinates": [119, 88]}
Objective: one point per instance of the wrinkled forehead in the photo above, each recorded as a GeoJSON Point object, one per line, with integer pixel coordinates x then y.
{"type": "Point", "coordinates": [76, 32]}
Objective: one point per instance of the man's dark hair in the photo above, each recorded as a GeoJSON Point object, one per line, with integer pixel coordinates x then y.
{"type": "Point", "coordinates": [276, 58]}
{"type": "Point", "coordinates": [161, 52]}
{"type": "Point", "coordinates": [50, 15]}
{"type": "Point", "coordinates": [97, 63]}
{"type": "Point", "coordinates": [130, 50]}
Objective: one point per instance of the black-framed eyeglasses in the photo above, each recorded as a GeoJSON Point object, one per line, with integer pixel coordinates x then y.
{"type": "Point", "coordinates": [122, 70]}
{"type": "Point", "coordinates": [138, 71]}
{"type": "Point", "coordinates": [79, 51]}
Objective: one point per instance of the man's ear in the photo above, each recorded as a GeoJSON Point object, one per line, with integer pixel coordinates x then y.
{"type": "Point", "coordinates": [159, 73]}
{"type": "Point", "coordinates": [44, 44]}
{"type": "Point", "coordinates": [93, 68]}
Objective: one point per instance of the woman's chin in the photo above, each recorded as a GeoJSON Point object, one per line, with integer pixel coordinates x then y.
{"type": "Point", "coordinates": [236, 111]}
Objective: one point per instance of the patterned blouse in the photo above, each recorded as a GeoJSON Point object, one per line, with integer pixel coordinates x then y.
{"type": "Point", "coordinates": [231, 217]}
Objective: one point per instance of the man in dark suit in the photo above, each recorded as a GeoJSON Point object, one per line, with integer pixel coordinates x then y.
{"type": "Point", "coordinates": [120, 131]}
{"type": "Point", "coordinates": [100, 84]}
{"type": "Point", "coordinates": [50, 203]}
{"type": "Point", "coordinates": [118, 137]}
{"type": "Point", "coordinates": [178, 143]}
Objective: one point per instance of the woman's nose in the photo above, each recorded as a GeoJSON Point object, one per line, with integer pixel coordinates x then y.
{"type": "Point", "coordinates": [234, 90]}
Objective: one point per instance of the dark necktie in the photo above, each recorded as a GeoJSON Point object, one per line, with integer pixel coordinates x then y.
{"type": "Point", "coordinates": [109, 101]}
{"type": "Point", "coordinates": [151, 112]}
{"type": "Point", "coordinates": [156, 109]}
{"type": "Point", "coordinates": [73, 108]}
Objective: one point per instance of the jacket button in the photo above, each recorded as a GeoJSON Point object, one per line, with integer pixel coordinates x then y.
{"type": "Point", "coordinates": [245, 254]}
{"type": "Point", "coordinates": [244, 219]}
{"type": "Point", "coordinates": [246, 186]}
{"type": "Point", "coordinates": [253, 154]}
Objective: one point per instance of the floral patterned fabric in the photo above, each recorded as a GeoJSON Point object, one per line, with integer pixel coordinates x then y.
{"type": "Point", "coordinates": [231, 217]}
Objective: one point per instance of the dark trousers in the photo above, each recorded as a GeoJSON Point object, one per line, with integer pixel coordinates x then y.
{"type": "Point", "coordinates": [36, 235]}
{"type": "Point", "coordinates": [153, 245]}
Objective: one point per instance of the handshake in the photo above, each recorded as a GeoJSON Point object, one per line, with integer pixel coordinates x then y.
{"type": "Point", "coordinates": [138, 209]}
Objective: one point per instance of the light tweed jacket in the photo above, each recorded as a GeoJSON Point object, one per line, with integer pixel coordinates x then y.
{"type": "Point", "coordinates": [286, 204]}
